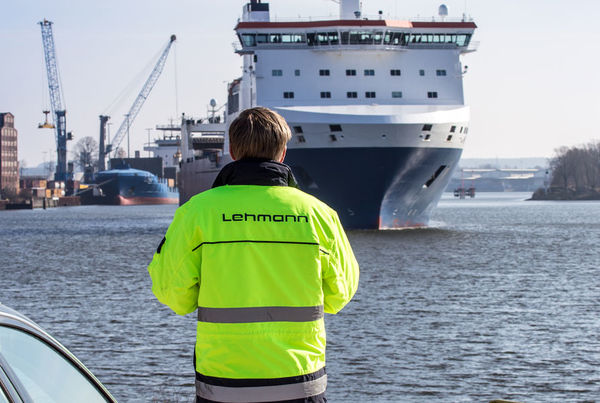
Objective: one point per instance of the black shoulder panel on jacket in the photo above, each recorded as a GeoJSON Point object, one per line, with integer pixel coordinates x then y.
{"type": "Point", "coordinates": [160, 245]}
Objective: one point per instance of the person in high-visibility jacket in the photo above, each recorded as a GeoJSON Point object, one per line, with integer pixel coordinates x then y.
{"type": "Point", "coordinates": [260, 261]}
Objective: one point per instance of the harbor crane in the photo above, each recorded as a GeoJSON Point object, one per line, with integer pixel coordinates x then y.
{"type": "Point", "coordinates": [106, 149]}
{"type": "Point", "coordinates": [56, 102]}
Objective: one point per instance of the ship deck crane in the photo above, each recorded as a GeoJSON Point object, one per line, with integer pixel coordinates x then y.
{"type": "Point", "coordinates": [56, 102]}
{"type": "Point", "coordinates": [104, 150]}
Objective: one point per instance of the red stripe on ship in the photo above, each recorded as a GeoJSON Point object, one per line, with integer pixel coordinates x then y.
{"type": "Point", "coordinates": [136, 200]}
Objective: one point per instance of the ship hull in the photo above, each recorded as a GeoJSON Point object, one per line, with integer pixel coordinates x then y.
{"type": "Point", "coordinates": [140, 200]}
{"type": "Point", "coordinates": [128, 187]}
{"type": "Point", "coordinates": [198, 175]}
{"type": "Point", "coordinates": [378, 166]}
{"type": "Point", "coordinates": [126, 201]}
{"type": "Point", "coordinates": [370, 188]}
{"type": "Point", "coordinates": [376, 188]}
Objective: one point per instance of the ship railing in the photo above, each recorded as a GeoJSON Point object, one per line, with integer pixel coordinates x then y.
{"type": "Point", "coordinates": [205, 126]}
{"type": "Point", "coordinates": [472, 47]}
{"type": "Point", "coordinates": [397, 48]}
{"type": "Point", "coordinates": [237, 47]}
{"type": "Point", "coordinates": [464, 49]}
{"type": "Point", "coordinates": [433, 19]}
{"type": "Point", "coordinates": [388, 17]}
{"type": "Point", "coordinates": [173, 127]}
{"type": "Point", "coordinates": [207, 136]}
{"type": "Point", "coordinates": [357, 47]}
{"type": "Point", "coordinates": [362, 47]}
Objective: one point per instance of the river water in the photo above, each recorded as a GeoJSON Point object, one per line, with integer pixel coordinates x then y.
{"type": "Point", "coordinates": [499, 298]}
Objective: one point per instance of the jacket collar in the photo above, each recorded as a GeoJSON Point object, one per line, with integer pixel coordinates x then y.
{"type": "Point", "coordinates": [255, 171]}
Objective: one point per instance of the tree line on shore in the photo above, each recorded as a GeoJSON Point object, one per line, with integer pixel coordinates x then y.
{"type": "Point", "coordinates": [575, 173]}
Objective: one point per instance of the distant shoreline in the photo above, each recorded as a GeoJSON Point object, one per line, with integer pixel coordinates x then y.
{"type": "Point", "coordinates": [558, 194]}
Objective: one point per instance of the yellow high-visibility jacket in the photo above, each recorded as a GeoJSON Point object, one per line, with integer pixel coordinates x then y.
{"type": "Point", "coordinates": [260, 264]}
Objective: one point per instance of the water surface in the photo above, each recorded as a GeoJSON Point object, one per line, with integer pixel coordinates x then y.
{"type": "Point", "coordinates": [499, 298]}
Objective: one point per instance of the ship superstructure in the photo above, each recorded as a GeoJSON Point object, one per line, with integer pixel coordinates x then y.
{"type": "Point", "coordinates": [167, 148]}
{"type": "Point", "coordinates": [376, 107]}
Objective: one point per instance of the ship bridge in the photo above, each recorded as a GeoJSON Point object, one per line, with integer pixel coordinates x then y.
{"type": "Point", "coordinates": [348, 34]}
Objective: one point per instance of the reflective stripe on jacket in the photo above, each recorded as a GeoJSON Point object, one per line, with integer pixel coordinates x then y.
{"type": "Point", "coordinates": [261, 264]}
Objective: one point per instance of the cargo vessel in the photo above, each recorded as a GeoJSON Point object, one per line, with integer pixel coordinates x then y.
{"type": "Point", "coordinates": [124, 185]}
{"type": "Point", "coordinates": [376, 107]}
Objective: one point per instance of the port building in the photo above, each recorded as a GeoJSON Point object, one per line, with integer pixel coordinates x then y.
{"type": "Point", "coordinates": [9, 160]}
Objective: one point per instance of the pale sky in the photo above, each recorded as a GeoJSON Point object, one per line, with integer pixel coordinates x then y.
{"type": "Point", "coordinates": [532, 86]}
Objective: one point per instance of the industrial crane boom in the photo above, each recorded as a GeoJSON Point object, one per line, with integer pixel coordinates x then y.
{"type": "Point", "coordinates": [51, 66]}
{"type": "Point", "coordinates": [58, 110]}
{"type": "Point", "coordinates": [137, 104]}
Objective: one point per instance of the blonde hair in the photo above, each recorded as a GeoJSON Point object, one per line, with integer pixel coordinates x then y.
{"type": "Point", "coordinates": [259, 133]}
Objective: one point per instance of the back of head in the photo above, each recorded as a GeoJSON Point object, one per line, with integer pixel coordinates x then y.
{"type": "Point", "coordinates": [258, 133]}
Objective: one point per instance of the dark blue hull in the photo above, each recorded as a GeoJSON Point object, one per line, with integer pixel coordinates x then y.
{"type": "Point", "coordinates": [373, 188]}
{"type": "Point", "coordinates": [129, 187]}
{"type": "Point", "coordinates": [370, 188]}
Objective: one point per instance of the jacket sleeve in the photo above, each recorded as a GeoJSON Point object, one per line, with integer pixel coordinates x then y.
{"type": "Point", "coordinates": [340, 277]}
{"type": "Point", "coordinates": [175, 267]}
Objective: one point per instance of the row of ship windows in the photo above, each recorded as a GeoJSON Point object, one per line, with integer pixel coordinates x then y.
{"type": "Point", "coordinates": [425, 128]}
{"type": "Point", "coordinates": [354, 38]}
{"type": "Point", "coordinates": [463, 129]}
{"type": "Point", "coordinates": [352, 72]}
{"type": "Point", "coordinates": [338, 128]}
{"type": "Point", "coordinates": [354, 94]}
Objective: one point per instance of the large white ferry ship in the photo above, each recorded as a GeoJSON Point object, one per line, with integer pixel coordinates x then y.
{"type": "Point", "coordinates": [376, 107]}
